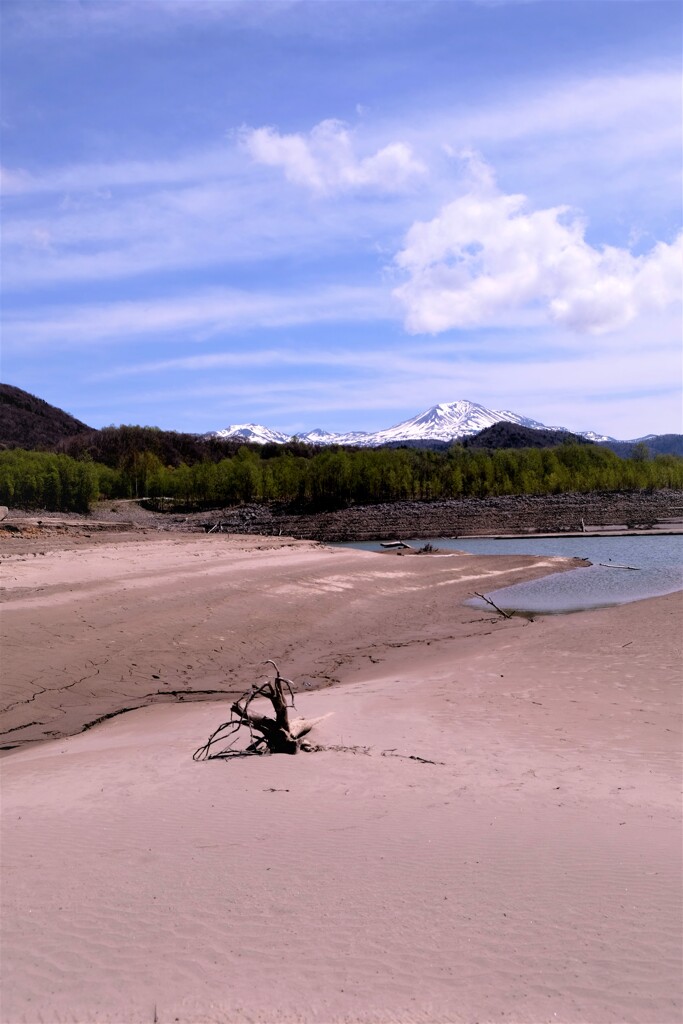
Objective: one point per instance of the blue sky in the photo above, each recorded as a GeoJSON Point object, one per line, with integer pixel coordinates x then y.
{"type": "Point", "coordinates": [338, 214]}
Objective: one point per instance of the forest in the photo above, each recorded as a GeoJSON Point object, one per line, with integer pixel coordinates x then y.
{"type": "Point", "coordinates": [324, 479]}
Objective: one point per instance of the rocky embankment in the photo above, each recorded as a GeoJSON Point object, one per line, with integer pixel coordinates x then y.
{"type": "Point", "coordinates": [465, 517]}
{"type": "Point", "coordinates": [556, 513]}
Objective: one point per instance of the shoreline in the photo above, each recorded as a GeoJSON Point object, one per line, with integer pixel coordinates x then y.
{"type": "Point", "coordinates": [107, 627]}
{"type": "Point", "coordinates": [31, 710]}
{"type": "Point", "coordinates": [530, 872]}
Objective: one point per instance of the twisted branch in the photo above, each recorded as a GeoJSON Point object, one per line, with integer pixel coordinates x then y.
{"type": "Point", "coordinates": [277, 735]}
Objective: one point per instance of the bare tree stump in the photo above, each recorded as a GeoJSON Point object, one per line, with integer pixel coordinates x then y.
{"type": "Point", "coordinates": [278, 735]}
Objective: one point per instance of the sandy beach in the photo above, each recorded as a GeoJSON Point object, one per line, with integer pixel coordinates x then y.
{"type": "Point", "coordinates": [527, 869]}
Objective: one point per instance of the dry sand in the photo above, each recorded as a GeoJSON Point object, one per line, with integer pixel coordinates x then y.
{"type": "Point", "coordinates": [126, 621]}
{"type": "Point", "coordinates": [533, 874]}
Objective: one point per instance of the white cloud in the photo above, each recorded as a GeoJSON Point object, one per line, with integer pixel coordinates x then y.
{"type": "Point", "coordinates": [325, 160]}
{"type": "Point", "coordinates": [486, 254]}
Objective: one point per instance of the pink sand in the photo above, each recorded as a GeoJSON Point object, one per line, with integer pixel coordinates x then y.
{"type": "Point", "coordinates": [533, 875]}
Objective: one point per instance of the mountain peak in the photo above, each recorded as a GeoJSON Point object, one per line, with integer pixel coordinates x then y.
{"type": "Point", "coordinates": [446, 421]}
{"type": "Point", "coordinates": [253, 432]}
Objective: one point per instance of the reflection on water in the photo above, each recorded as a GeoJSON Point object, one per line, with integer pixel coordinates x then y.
{"type": "Point", "coordinates": [657, 562]}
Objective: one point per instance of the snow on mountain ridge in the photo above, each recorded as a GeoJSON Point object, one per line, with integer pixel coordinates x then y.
{"type": "Point", "coordinates": [451, 420]}
{"type": "Point", "coordinates": [447, 421]}
{"type": "Point", "coordinates": [590, 435]}
{"type": "Point", "coordinates": [250, 432]}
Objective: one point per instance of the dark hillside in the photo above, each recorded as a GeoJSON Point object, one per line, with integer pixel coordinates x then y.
{"type": "Point", "coordinates": [514, 435]}
{"type": "Point", "coordinates": [29, 422]}
{"type": "Point", "coordinates": [656, 444]}
{"type": "Point", "coordinates": [116, 446]}
{"type": "Point", "coordinates": [422, 445]}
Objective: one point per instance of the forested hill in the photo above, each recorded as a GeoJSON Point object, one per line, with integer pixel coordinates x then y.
{"type": "Point", "coordinates": [514, 435]}
{"type": "Point", "coordinates": [116, 446]}
{"type": "Point", "coordinates": [29, 422]}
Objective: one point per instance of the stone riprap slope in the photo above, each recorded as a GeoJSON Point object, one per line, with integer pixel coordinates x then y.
{"type": "Point", "coordinates": [465, 517]}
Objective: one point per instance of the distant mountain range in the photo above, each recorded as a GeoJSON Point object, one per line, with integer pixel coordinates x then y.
{"type": "Point", "coordinates": [448, 421]}
{"type": "Point", "coordinates": [29, 422]}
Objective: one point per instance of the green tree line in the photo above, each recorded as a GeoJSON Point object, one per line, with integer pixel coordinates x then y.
{"type": "Point", "coordinates": [328, 478]}
{"type": "Point", "coordinates": [43, 480]}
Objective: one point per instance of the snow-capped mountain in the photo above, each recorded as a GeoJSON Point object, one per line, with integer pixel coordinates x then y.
{"type": "Point", "coordinates": [447, 421]}
{"type": "Point", "coordinates": [319, 436]}
{"type": "Point", "coordinates": [590, 435]}
{"type": "Point", "coordinates": [250, 432]}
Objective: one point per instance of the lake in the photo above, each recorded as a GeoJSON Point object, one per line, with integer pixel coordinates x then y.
{"type": "Point", "coordinates": [657, 562]}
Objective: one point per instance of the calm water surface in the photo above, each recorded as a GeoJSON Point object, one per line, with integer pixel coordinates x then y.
{"type": "Point", "coordinates": [657, 561]}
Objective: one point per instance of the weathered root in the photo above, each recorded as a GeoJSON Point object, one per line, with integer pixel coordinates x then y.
{"type": "Point", "coordinates": [277, 735]}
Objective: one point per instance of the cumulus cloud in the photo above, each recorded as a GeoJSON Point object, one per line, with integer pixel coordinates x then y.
{"type": "Point", "coordinates": [325, 160]}
{"type": "Point", "coordinates": [486, 254]}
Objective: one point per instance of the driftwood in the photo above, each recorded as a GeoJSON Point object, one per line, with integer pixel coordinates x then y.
{"type": "Point", "coordinates": [218, 527]}
{"type": "Point", "coordinates": [278, 735]}
{"type": "Point", "coordinates": [506, 615]}
{"type": "Point", "coordinates": [395, 544]}
{"type": "Point", "coordinates": [615, 565]}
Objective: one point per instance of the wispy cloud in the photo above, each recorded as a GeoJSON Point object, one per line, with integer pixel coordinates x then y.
{"type": "Point", "coordinates": [279, 18]}
{"type": "Point", "coordinates": [194, 317]}
{"type": "Point", "coordinates": [255, 358]}
{"type": "Point", "coordinates": [563, 141]}
{"type": "Point", "coordinates": [588, 105]}
{"type": "Point", "coordinates": [96, 237]}
{"type": "Point", "coordinates": [98, 232]}
{"type": "Point", "coordinates": [199, 166]}
{"type": "Point", "coordinates": [47, 18]}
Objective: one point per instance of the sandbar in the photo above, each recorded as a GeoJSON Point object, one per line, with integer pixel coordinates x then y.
{"type": "Point", "coordinates": [526, 868]}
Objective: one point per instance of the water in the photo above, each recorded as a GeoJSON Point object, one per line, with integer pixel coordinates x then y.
{"type": "Point", "coordinates": [658, 561]}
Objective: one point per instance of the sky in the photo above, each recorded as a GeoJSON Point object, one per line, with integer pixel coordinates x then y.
{"type": "Point", "coordinates": [332, 214]}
